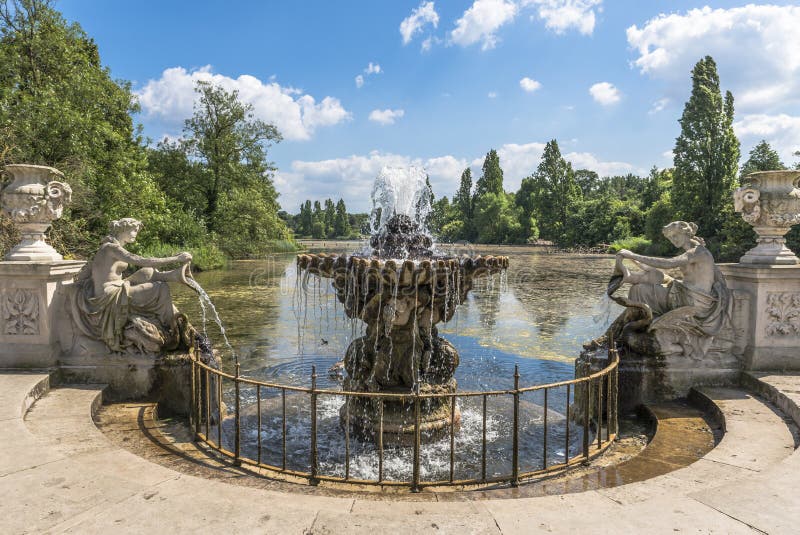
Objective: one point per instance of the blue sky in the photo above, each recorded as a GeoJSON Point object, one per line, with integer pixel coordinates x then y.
{"type": "Point", "coordinates": [355, 85]}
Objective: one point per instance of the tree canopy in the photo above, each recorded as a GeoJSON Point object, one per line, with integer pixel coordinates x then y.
{"type": "Point", "coordinates": [706, 154]}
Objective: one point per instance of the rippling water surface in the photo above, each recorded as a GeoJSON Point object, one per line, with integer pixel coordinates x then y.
{"type": "Point", "coordinates": [544, 312]}
{"type": "Point", "coordinates": [537, 318]}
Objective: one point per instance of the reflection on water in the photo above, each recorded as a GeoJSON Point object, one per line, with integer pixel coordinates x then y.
{"type": "Point", "coordinates": [536, 318]}
{"type": "Point", "coordinates": [544, 311]}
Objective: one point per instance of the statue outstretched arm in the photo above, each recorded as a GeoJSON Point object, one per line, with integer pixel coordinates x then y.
{"type": "Point", "coordinates": [142, 261]}
{"type": "Point", "coordinates": [655, 261]}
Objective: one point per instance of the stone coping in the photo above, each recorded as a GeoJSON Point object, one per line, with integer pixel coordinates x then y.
{"type": "Point", "coordinates": [61, 474]}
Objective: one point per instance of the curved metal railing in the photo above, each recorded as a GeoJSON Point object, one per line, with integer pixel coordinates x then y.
{"type": "Point", "coordinates": [590, 401]}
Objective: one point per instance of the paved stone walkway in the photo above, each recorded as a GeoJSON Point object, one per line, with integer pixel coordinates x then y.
{"type": "Point", "coordinates": [60, 474]}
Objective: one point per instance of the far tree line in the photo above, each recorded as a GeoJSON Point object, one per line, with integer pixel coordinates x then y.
{"type": "Point", "coordinates": [577, 208]}
{"type": "Point", "coordinates": [325, 219]}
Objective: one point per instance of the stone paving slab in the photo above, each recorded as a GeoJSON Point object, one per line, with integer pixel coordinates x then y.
{"type": "Point", "coordinates": [770, 501]}
{"type": "Point", "coordinates": [76, 481]}
{"type": "Point", "coordinates": [20, 390]}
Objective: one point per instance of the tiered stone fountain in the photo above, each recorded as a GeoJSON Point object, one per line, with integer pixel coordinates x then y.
{"type": "Point", "coordinates": [401, 288]}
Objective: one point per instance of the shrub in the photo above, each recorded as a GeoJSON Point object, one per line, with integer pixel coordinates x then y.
{"type": "Point", "coordinates": [637, 244]}
{"type": "Point", "coordinates": [204, 257]}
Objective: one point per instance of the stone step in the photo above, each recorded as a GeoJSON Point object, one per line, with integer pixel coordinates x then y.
{"type": "Point", "coordinates": [20, 390]}
{"type": "Point", "coordinates": [79, 482]}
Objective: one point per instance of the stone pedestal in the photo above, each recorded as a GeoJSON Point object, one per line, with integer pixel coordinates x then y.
{"type": "Point", "coordinates": [772, 330]}
{"type": "Point", "coordinates": [31, 304]}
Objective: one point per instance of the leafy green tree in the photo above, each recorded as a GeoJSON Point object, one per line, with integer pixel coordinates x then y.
{"type": "Point", "coordinates": [497, 219]}
{"type": "Point", "coordinates": [248, 224]}
{"type": "Point", "coordinates": [329, 218]}
{"type": "Point", "coordinates": [588, 181]}
{"type": "Point", "coordinates": [59, 106]}
{"type": "Point", "coordinates": [441, 214]}
{"type": "Point", "coordinates": [527, 199]}
{"type": "Point", "coordinates": [341, 222]}
{"type": "Point", "coordinates": [231, 143]}
{"type": "Point", "coordinates": [706, 155]}
{"type": "Point", "coordinates": [179, 176]}
{"type": "Point", "coordinates": [463, 203]}
{"type": "Point", "coordinates": [491, 181]}
{"type": "Point", "coordinates": [553, 193]}
{"type": "Point", "coordinates": [318, 222]}
{"type": "Point", "coordinates": [656, 183]}
{"type": "Point", "coordinates": [762, 158]}
{"type": "Point", "coordinates": [306, 218]}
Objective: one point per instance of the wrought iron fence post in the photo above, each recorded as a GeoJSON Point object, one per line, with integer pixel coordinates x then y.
{"type": "Point", "coordinates": [237, 437]}
{"type": "Point", "coordinates": [566, 430]}
{"type": "Point", "coordinates": [515, 432]}
{"type": "Point", "coordinates": [599, 425]}
{"type": "Point", "coordinates": [483, 443]}
{"type": "Point", "coordinates": [615, 389]}
{"type": "Point", "coordinates": [415, 475]}
{"type": "Point", "coordinates": [196, 392]}
{"type": "Point", "coordinates": [314, 467]}
{"type": "Point", "coordinates": [544, 433]}
{"type": "Point", "coordinates": [586, 401]}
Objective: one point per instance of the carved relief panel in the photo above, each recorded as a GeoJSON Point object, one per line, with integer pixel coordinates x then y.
{"type": "Point", "coordinates": [20, 309]}
{"type": "Point", "coordinates": [783, 314]}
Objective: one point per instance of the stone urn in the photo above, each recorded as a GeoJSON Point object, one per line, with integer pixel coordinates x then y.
{"type": "Point", "coordinates": [770, 201]}
{"type": "Point", "coordinates": [33, 199]}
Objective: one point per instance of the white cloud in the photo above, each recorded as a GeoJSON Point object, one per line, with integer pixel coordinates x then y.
{"type": "Point", "coordinates": [351, 177]}
{"type": "Point", "coordinates": [492, 94]}
{"type": "Point", "coordinates": [419, 18]}
{"type": "Point", "coordinates": [517, 160]}
{"type": "Point", "coordinates": [481, 21]}
{"type": "Point", "coordinates": [386, 116]}
{"type": "Point", "coordinates": [372, 68]}
{"type": "Point", "coordinates": [756, 47]}
{"type": "Point", "coordinates": [585, 160]}
{"type": "Point", "coordinates": [530, 85]}
{"type": "Point", "coordinates": [605, 93]}
{"type": "Point", "coordinates": [658, 105]}
{"type": "Point", "coordinates": [296, 115]}
{"type": "Point", "coordinates": [781, 131]}
{"type": "Point", "coordinates": [561, 15]}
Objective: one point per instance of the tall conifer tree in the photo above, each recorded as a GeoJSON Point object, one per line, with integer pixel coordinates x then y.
{"type": "Point", "coordinates": [491, 181]}
{"type": "Point", "coordinates": [706, 154]}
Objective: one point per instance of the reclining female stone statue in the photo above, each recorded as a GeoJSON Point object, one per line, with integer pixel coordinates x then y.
{"type": "Point", "coordinates": [134, 313]}
{"type": "Point", "coordinates": [673, 316]}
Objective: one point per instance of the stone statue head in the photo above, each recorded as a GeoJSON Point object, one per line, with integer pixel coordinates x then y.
{"type": "Point", "coordinates": [125, 229]}
{"type": "Point", "coordinates": [681, 232]}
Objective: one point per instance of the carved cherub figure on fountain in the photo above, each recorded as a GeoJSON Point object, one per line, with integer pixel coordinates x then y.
{"type": "Point", "coordinates": [134, 313]}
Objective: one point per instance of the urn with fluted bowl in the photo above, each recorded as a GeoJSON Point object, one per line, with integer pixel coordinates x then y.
{"type": "Point", "coordinates": [33, 199]}
{"type": "Point", "coordinates": [770, 202]}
